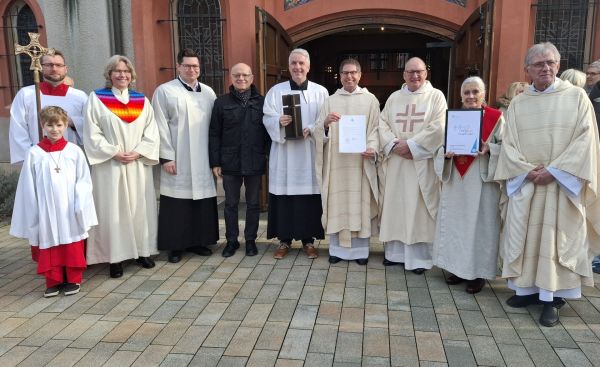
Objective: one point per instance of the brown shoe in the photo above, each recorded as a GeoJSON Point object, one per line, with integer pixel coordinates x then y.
{"type": "Point", "coordinates": [282, 250]}
{"type": "Point", "coordinates": [475, 285]}
{"type": "Point", "coordinates": [310, 250]}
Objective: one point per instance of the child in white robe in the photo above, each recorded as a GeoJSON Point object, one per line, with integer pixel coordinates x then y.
{"type": "Point", "coordinates": [54, 207]}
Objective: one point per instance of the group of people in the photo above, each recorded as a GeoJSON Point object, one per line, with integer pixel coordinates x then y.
{"type": "Point", "coordinates": [529, 194]}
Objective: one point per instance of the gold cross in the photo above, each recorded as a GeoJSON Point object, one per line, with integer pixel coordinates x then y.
{"type": "Point", "coordinates": [34, 50]}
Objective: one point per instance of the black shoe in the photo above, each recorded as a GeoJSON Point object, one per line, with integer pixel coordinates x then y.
{"type": "Point", "coordinates": [524, 301]}
{"type": "Point", "coordinates": [362, 261]}
{"type": "Point", "coordinates": [558, 302]}
{"type": "Point", "coordinates": [145, 262]}
{"type": "Point", "coordinates": [71, 288]}
{"type": "Point", "coordinates": [418, 271]}
{"type": "Point", "coordinates": [51, 292]}
{"type": "Point", "coordinates": [116, 270]}
{"type": "Point", "coordinates": [230, 248]}
{"type": "Point", "coordinates": [387, 262]}
{"type": "Point", "coordinates": [251, 249]}
{"type": "Point", "coordinates": [174, 256]}
{"type": "Point", "coordinates": [334, 259]}
{"type": "Point", "coordinates": [200, 250]}
{"type": "Point", "coordinates": [549, 316]}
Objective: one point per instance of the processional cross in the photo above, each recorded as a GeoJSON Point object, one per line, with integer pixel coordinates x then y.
{"type": "Point", "coordinates": [35, 51]}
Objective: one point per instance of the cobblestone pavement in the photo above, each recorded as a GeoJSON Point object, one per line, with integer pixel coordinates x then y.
{"type": "Point", "coordinates": [257, 311]}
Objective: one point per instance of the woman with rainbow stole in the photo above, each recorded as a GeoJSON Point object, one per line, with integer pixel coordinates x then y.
{"type": "Point", "coordinates": [121, 141]}
{"type": "Point", "coordinates": [468, 220]}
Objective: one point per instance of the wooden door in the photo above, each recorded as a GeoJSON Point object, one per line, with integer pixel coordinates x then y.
{"type": "Point", "coordinates": [273, 46]}
{"type": "Point", "coordinates": [472, 51]}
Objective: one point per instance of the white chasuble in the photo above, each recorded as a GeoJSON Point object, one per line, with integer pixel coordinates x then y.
{"type": "Point", "coordinates": [183, 119]}
{"type": "Point", "coordinates": [123, 193]}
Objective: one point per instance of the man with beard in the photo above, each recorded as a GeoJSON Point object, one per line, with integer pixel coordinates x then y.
{"type": "Point", "coordinates": [24, 126]}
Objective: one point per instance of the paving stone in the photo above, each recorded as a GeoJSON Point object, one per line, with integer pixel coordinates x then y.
{"type": "Point", "coordinates": [515, 355]}
{"type": "Point", "coordinates": [503, 331]}
{"type": "Point", "coordinates": [558, 337]}
{"type": "Point", "coordinates": [283, 310]}
{"type": "Point", "coordinates": [43, 355]}
{"type": "Point", "coordinates": [210, 287]}
{"type": "Point", "coordinates": [207, 357]}
{"type": "Point", "coordinates": [578, 329]}
{"type": "Point", "coordinates": [323, 339]}
{"type": "Point", "coordinates": [277, 276]}
{"type": "Point", "coordinates": [123, 358]}
{"type": "Point", "coordinates": [149, 305]}
{"type": "Point", "coordinates": [262, 358]}
{"type": "Point", "coordinates": [336, 274]}
{"type": "Point", "coordinates": [424, 319]}
{"type": "Point", "coordinates": [525, 326]}
{"type": "Point", "coordinates": [168, 286]}
{"type": "Point", "coordinates": [333, 292]}
{"type": "Point", "coordinates": [221, 334]}
{"type": "Point", "coordinates": [352, 320]}
{"type": "Point", "coordinates": [419, 297]}
{"type": "Point", "coordinates": [211, 314]}
{"type": "Point", "coordinates": [329, 313]}
{"type": "Point", "coordinates": [237, 309]}
{"type": "Point", "coordinates": [288, 363]}
{"type": "Point", "coordinates": [250, 289]}
{"type": "Point", "coordinates": [586, 311]}
{"type": "Point", "coordinates": [354, 297]}
{"type": "Point", "coordinates": [272, 335]}
{"type": "Point", "coordinates": [7, 343]}
{"type": "Point", "coordinates": [130, 284]}
{"type": "Point", "coordinates": [123, 330]}
{"type": "Point", "coordinates": [376, 293]}
{"type": "Point", "coordinates": [108, 303]}
{"type": "Point", "coordinates": [152, 356]}
{"type": "Point", "coordinates": [429, 346]}
{"type": "Point", "coordinates": [464, 300]}
{"type": "Point", "coordinates": [375, 361]}
{"type": "Point", "coordinates": [376, 342]}
{"type": "Point", "coordinates": [291, 290]}
{"type": "Point", "coordinates": [356, 279]}
{"type": "Point", "coordinates": [142, 338]}
{"type": "Point", "coordinates": [239, 275]}
{"type": "Point", "coordinates": [14, 356]}
{"type": "Point", "coordinates": [78, 308]}
{"type": "Point", "coordinates": [185, 291]}
{"type": "Point", "coordinates": [192, 339]}
{"type": "Point", "coordinates": [166, 311]}
{"type": "Point", "coordinates": [459, 353]}
{"type": "Point", "coordinates": [474, 323]}
{"type": "Point", "coordinates": [573, 357]}
{"type": "Point", "coordinates": [36, 307]}
{"type": "Point", "coordinates": [317, 277]}
{"type": "Point", "coordinates": [98, 355]}
{"type": "Point", "coordinates": [172, 332]}
{"type": "Point", "coordinates": [227, 292]}
{"type": "Point", "coordinates": [68, 357]}
{"type": "Point", "coordinates": [398, 300]}
{"type": "Point", "coordinates": [268, 293]}
{"type": "Point", "coordinates": [304, 317]}
{"type": "Point", "coordinates": [298, 273]}
{"type": "Point", "coordinates": [42, 335]}
{"type": "Point", "coordinates": [485, 350]}
{"type": "Point", "coordinates": [176, 360]}
{"type": "Point", "coordinates": [261, 272]}
{"type": "Point", "coordinates": [376, 316]}
{"type": "Point", "coordinates": [400, 323]}
{"type": "Point", "coordinates": [451, 328]}
{"type": "Point", "coordinates": [349, 347]}
{"type": "Point", "coordinates": [227, 361]}
{"type": "Point", "coordinates": [30, 326]}
{"type": "Point", "coordinates": [541, 353]}
{"type": "Point", "coordinates": [490, 306]}
{"type": "Point", "coordinates": [318, 359]}
{"type": "Point", "coordinates": [193, 307]}
{"type": "Point", "coordinates": [122, 310]}
{"type": "Point", "coordinates": [311, 295]}
{"type": "Point", "coordinates": [591, 351]}
{"type": "Point", "coordinates": [243, 342]}
{"type": "Point", "coordinates": [295, 344]}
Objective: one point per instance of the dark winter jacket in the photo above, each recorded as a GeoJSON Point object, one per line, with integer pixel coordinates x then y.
{"type": "Point", "coordinates": [238, 141]}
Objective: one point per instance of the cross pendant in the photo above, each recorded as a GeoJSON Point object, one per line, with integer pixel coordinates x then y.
{"type": "Point", "coordinates": [57, 169]}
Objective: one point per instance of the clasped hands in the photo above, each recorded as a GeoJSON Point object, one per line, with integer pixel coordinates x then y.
{"type": "Point", "coordinates": [285, 120]}
{"type": "Point", "coordinates": [401, 148]}
{"type": "Point", "coordinates": [540, 175]}
{"type": "Point", "coordinates": [126, 157]}
{"type": "Point", "coordinates": [335, 117]}
{"type": "Point", "coordinates": [485, 149]}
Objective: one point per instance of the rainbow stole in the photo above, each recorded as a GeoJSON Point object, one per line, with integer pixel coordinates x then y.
{"type": "Point", "coordinates": [127, 112]}
{"type": "Point", "coordinates": [491, 116]}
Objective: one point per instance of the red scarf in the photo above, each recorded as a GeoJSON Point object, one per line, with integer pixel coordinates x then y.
{"type": "Point", "coordinates": [50, 90]}
{"type": "Point", "coordinates": [491, 117]}
{"type": "Point", "coordinates": [47, 145]}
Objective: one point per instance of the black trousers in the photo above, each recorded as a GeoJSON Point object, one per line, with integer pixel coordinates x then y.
{"type": "Point", "coordinates": [232, 185]}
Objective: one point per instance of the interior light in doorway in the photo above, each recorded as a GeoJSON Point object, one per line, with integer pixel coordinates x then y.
{"type": "Point", "coordinates": [362, 28]}
{"type": "Point", "coordinates": [383, 28]}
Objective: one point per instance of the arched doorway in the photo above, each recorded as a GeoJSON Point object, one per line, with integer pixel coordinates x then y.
{"type": "Point", "coordinates": [382, 53]}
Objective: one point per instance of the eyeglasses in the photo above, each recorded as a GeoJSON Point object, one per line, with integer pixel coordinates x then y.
{"type": "Point", "coordinates": [353, 72]}
{"type": "Point", "coordinates": [121, 71]}
{"type": "Point", "coordinates": [190, 67]}
{"type": "Point", "coordinates": [416, 72]}
{"type": "Point", "coordinates": [50, 65]}
{"type": "Point", "coordinates": [245, 76]}
{"type": "Point", "coordinates": [541, 64]}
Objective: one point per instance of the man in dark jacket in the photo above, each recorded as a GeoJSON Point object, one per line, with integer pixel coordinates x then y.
{"type": "Point", "coordinates": [238, 144]}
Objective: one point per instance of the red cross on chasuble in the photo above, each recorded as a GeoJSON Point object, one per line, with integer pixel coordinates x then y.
{"type": "Point", "coordinates": [491, 117]}
{"type": "Point", "coordinates": [411, 117]}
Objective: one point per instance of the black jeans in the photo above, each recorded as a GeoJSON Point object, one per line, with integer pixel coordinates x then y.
{"type": "Point", "coordinates": [232, 185]}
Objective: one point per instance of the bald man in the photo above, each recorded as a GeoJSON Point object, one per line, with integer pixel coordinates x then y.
{"type": "Point", "coordinates": [238, 144]}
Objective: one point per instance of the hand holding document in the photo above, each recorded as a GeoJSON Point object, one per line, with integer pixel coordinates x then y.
{"type": "Point", "coordinates": [353, 133]}
{"type": "Point", "coordinates": [463, 131]}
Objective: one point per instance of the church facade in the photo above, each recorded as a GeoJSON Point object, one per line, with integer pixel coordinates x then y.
{"type": "Point", "coordinates": [456, 38]}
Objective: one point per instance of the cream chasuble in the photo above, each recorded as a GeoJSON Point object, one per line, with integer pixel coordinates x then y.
{"type": "Point", "coordinates": [546, 239]}
{"type": "Point", "coordinates": [410, 189]}
{"type": "Point", "coordinates": [349, 187]}
{"type": "Point", "coordinates": [123, 193]}
{"type": "Point", "coordinates": [183, 118]}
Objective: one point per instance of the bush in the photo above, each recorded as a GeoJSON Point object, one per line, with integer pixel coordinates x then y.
{"type": "Point", "coordinates": [8, 187]}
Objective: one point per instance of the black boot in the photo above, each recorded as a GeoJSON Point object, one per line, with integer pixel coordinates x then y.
{"type": "Point", "coordinates": [116, 270]}
{"type": "Point", "coordinates": [145, 262]}
{"type": "Point", "coordinates": [549, 316]}
{"type": "Point", "coordinates": [523, 301]}
{"type": "Point", "coordinates": [251, 249]}
{"type": "Point", "coordinates": [230, 248]}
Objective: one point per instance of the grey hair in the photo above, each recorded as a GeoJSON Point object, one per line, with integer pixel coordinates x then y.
{"type": "Point", "coordinates": [576, 77]}
{"type": "Point", "coordinates": [540, 49]}
{"type": "Point", "coordinates": [595, 65]}
{"type": "Point", "coordinates": [473, 79]}
{"type": "Point", "coordinates": [299, 51]}
{"type": "Point", "coordinates": [111, 64]}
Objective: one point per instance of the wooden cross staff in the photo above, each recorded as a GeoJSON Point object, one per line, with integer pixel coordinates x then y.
{"type": "Point", "coordinates": [36, 51]}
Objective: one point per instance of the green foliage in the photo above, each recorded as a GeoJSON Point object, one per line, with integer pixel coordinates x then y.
{"type": "Point", "coordinates": [8, 187]}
